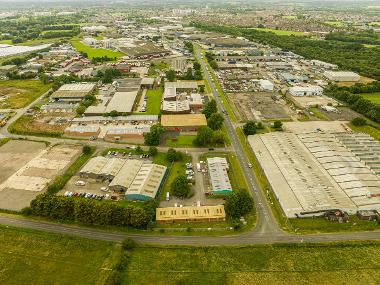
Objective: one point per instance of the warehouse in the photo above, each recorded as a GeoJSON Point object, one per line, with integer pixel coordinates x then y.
{"type": "Point", "coordinates": [132, 133]}
{"type": "Point", "coordinates": [342, 76]}
{"type": "Point", "coordinates": [266, 85]}
{"type": "Point", "coordinates": [311, 90]}
{"type": "Point", "coordinates": [102, 168]}
{"type": "Point", "coordinates": [122, 102]}
{"type": "Point", "coordinates": [183, 123]}
{"type": "Point", "coordinates": [147, 183]}
{"type": "Point", "coordinates": [128, 84]}
{"type": "Point", "coordinates": [141, 119]}
{"type": "Point", "coordinates": [190, 214]}
{"type": "Point", "coordinates": [183, 86]}
{"type": "Point", "coordinates": [175, 107]}
{"type": "Point", "coordinates": [4, 69]}
{"type": "Point", "coordinates": [126, 175]}
{"type": "Point", "coordinates": [218, 172]}
{"type": "Point", "coordinates": [312, 173]}
{"type": "Point", "coordinates": [82, 131]}
{"type": "Point", "coordinates": [74, 92]}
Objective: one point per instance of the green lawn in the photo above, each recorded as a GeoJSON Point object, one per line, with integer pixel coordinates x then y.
{"type": "Point", "coordinates": [373, 97]}
{"type": "Point", "coordinates": [21, 92]}
{"type": "Point", "coordinates": [94, 52]}
{"type": "Point", "coordinates": [42, 258]}
{"type": "Point", "coordinates": [366, 129]}
{"type": "Point", "coordinates": [349, 263]}
{"type": "Point", "coordinates": [153, 106]}
{"type": "Point", "coordinates": [6, 42]}
{"type": "Point", "coordinates": [318, 114]}
{"type": "Point", "coordinates": [181, 141]}
{"type": "Point", "coordinates": [281, 32]}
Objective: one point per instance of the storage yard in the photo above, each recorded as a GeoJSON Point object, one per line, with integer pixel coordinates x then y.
{"type": "Point", "coordinates": [313, 172]}
{"type": "Point", "coordinates": [26, 169]}
{"type": "Point", "coordinates": [259, 105]}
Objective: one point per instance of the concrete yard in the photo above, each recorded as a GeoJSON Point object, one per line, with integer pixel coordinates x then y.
{"type": "Point", "coordinates": [258, 106]}
{"type": "Point", "coordinates": [312, 126]}
{"type": "Point", "coordinates": [26, 169]}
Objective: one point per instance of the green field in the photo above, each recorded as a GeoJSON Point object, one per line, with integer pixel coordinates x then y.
{"type": "Point", "coordinates": [6, 42]}
{"type": "Point", "coordinates": [318, 114]}
{"type": "Point", "coordinates": [43, 258]}
{"type": "Point", "coordinates": [366, 129]}
{"type": "Point", "coordinates": [349, 263]}
{"type": "Point", "coordinates": [94, 52]}
{"type": "Point", "coordinates": [21, 92]}
{"type": "Point", "coordinates": [181, 141]}
{"type": "Point", "coordinates": [153, 106]}
{"type": "Point", "coordinates": [373, 97]}
{"type": "Point", "coordinates": [281, 32]}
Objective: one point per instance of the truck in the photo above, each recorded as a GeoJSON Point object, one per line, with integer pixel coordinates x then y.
{"type": "Point", "coordinates": [199, 167]}
{"type": "Point", "coordinates": [167, 196]}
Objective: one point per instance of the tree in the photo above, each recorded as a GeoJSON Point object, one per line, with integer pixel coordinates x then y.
{"type": "Point", "coordinates": [210, 108]}
{"type": "Point", "coordinates": [202, 89]}
{"type": "Point", "coordinates": [86, 149]}
{"type": "Point", "coordinates": [215, 121]}
{"type": "Point", "coordinates": [204, 136]}
{"type": "Point", "coordinates": [196, 66]}
{"type": "Point", "coordinates": [238, 203]}
{"type": "Point", "coordinates": [249, 128]}
{"type": "Point", "coordinates": [152, 151]}
{"type": "Point", "coordinates": [81, 109]}
{"type": "Point", "coordinates": [171, 75]}
{"type": "Point", "coordinates": [173, 155]}
{"type": "Point", "coordinates": [154, 136]}
{"type": "Point", "coordinates": [277, 125]}
{"type": "Point", "coordinates": [139, 150]}
{"type": "Point", "coordinates": [218, 137]}
{"type": "Point", "coordinates": [359, 122]}
{"type": "Point", "coordinates": [114, 113]}
{"type": "Point", "coordinates": [180, 187]}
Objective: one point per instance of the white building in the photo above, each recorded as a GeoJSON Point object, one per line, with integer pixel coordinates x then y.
{"type": "Point", "coordinates": [311, 90]}
{"type": "Point", "coordinates": [266, 85]}
{"type": "Point", "coordinates": [342, 76]}
{"type": "Point", "coordinates": [218, 171]}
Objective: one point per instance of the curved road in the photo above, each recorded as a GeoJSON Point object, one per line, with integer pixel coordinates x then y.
{"type": "Point", "coordinates": [266, 231]}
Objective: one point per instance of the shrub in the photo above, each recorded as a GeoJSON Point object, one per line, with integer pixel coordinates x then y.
{"type": "Point", "coordinates": [128, 244]}
{"type": "Point", "coordinates": [359, 122]}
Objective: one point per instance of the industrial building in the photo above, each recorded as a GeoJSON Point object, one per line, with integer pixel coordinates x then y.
{"type": "Point", "coordinates": [311, 173]}
{"type": "Point", "coordinates": [190, 214]}
{"type": "Point", "coordinates": [147, 183]}
{"type": "Point", "coordinates": [310, 90]}
{"type": "Point", "coordinates": [342, 76]}
{"type": "Point", "coordinates": [122, 102]}
{"type": "Point", "coordinates": [140, 180]}
{"type": "Point", "coordinates": [82, 131]}
{"type": "Point", "coordinates": [175, 107]}
{"type": "Point", "coordinates": [218, 173]}
{"type": "Point", "coordinates": [73, 93]}
{"type": "Point", "coordinates": [266, 85]}
{"type": "Point", "coordinates": [183, 123]}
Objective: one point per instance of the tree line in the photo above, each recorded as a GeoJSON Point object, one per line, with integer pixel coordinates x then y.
{"type": "Point", "coordinates": [347, 55]}
{"type": "Point", "coordinates": [91, 212]}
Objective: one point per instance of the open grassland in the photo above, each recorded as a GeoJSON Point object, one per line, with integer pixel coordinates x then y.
{"type": "Point", "coordinates": [181, 141]}
{"type": "Point", "coordinates": [94, 52]}
{"type": "Point", "coordinates": [373, 97]}
{"type": "Point", "coordinates": [20, 93]}
{"type": "Point", "coordinates": [43, 258]}
{"type": "Point", "coordinates": [281, 32]}
{"type": "Point", "coordinates": [153, 105]}
{"type": "Point", "coordinates": [350, 263]}
{"type": "Point", "coordinates": [366, 129]}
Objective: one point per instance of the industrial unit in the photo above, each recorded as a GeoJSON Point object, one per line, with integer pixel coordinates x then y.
{"type": "Point", "coordinates": [342, 76]}
{"type": "Point", "coordinates": [311, 173]}
{"type": "Point", "coordinates": [183, 123]}
{"type": "Point", "coordinates": [74, 92]}
{"type": "Point", "coordinates": [190, 214]}
{"type": "Point", "coordinates": [310, 90]}
{"type": "Point", "coordinates": [140, 180]}
{"type": "Point", "coordinates": [218, 173]}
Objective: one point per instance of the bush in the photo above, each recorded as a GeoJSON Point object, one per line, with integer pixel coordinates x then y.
{"type": "Point", "coordinates": [277, 125]}
{"type": "Point", "coordinates": [359, 122]}
{"type": "Point", "coordinates": [249, 128]}
{"type": "Point", "coordinates": [128, 244]}
{"type": "Point", "coordinates": [173, 155]}
{"type": "Point", "coordinates": [152, 151]}
{"type": "Point", "coordinates": [86, 149]}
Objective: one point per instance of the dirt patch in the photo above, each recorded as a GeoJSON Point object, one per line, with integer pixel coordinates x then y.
{"type": "Point", "coordinates": [15, 154]}
{"type": "Point", "coordinates": [15, 199]}
{"type": "Point", "coordinates": [258, 106]}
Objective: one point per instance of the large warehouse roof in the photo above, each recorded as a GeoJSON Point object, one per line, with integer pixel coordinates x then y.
{"type": "Point", "coordinates": [122, 102]}
{"type": "Point", "coordinates": [127, 174]}
{"type": "Point", "coordinates": [315, 172]}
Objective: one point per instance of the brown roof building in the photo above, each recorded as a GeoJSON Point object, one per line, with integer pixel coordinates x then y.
{"type": "Point", "coordinates": [190, 214]}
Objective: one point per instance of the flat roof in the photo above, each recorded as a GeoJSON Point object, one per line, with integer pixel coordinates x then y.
{"type": "Point", "coordinates": [218, 171]}
{"type": "Point", "coordinates": [190, 213]}
{"type": "Point", "coordinates": [185, 120]}
{"type": "Point", "coordinates": [182, 84]}
{"type": "Point", "coordinates": [127, 173]}
{"type": "Point", "coordinates": [122, 102]}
